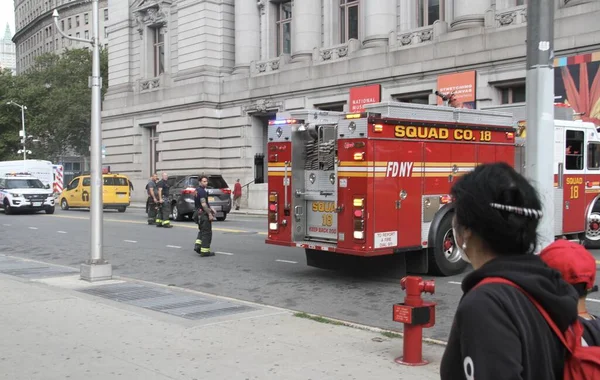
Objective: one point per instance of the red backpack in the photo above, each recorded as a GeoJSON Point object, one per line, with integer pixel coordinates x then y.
{"type": "Point", "coordinates": [581, 363]}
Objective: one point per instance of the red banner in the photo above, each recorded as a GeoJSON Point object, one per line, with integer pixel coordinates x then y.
{"type": "Point", "coordinates": [359, 96]}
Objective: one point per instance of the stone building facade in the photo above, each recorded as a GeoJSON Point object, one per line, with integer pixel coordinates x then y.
{"type": "Point", "coordinates": [193, 83]}
{"type": "Point", "coordinates": [36, 33]}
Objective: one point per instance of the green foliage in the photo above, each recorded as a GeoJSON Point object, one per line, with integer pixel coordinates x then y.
{"type": "Point", "coordinates": [58, 102]}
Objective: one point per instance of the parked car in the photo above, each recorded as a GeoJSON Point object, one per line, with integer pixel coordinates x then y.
{"type": "Point", "coordinates": [115, 194]}
{"type": "Point", "coordinates": [181, 196]}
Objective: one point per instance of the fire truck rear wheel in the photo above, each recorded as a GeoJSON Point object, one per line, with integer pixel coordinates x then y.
{"type": "Point", "coordinates": [444, 258]}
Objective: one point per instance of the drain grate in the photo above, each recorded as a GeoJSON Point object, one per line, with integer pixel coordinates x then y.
{"type": "Point", "coordinates": [181, 305]}
{"type": "Point", "coordinates": [30, 270]}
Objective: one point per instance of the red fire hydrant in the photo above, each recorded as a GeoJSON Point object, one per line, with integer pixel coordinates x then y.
{"type": "Point", "coordinates": [415, 314]}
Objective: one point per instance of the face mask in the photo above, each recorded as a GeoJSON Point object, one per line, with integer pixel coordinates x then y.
{"type": "Point", "coordinates": [462, 252]}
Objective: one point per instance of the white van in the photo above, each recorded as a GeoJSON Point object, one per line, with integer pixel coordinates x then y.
{"type": "Point", "coordinates": [39, 169]}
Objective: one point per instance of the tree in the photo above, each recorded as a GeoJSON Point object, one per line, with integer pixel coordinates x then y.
{"type": "Point", "coordinates": [58, 99]}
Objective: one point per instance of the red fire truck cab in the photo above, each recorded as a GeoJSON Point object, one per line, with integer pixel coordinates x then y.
{"type": "Point", "coordinates": [373, 188]}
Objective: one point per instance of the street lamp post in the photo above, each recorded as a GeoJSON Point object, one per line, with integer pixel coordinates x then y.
{"type": "Point", "coordinates": [24, 136]}
{"type": "Point", "coordinates": [540, 110]}
{"type": "Point", "coordinates": [96, 268]}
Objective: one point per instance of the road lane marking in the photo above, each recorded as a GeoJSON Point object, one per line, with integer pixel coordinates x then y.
{"type": "Point", "coordinates": [6, 225]}
{"type": "Point", "coordinates": [455, 282]}
{"type": "Point", "coordinates": [173, 246]}
{"type": "Point", "coordinates": [592, 300]}
{"type": "Point", "coordinates": [62, 232]}
{"type": "Point", "coordinates": [33, 228]}
{"type": "Point", "coordinates": [287, 261]}
{"type": "Point", "coordinates": [130, 241]}
{"type": "Point", "coordinates": [194, 226]}
{"type": "Point", "coordinates": [225, 253]}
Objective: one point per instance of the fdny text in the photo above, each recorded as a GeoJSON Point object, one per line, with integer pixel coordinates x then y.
{"type": "Point", "coordinates": [399, 169]}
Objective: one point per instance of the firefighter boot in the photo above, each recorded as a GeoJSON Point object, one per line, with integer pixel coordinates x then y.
{"type": "Point", "coordinates": [197, 245]}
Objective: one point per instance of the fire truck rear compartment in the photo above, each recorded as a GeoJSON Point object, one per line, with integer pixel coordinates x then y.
{"type": "Point", "coordinates": [314, 183]}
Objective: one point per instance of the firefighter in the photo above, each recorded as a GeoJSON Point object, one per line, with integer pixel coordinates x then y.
{"type": "Point", "coordinates": [164, 207]}
{"type": "Point", "coordinates": [204, 219]}
{"type": "Point", "coordinates": [152, 198]}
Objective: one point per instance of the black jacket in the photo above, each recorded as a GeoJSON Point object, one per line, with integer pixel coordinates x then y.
{"type": "Point", "coordinates": [499, 334]}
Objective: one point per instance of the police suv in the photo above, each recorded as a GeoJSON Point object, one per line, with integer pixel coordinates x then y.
{"type": "Point", "coordinates": [23, 192]}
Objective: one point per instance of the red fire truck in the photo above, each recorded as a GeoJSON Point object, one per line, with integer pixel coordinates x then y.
{"type": "Point", "coordinates": [374, 187]}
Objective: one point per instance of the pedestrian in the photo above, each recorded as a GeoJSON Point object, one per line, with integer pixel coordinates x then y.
{"type": "Point", "coordinates": [205, 216]}
{"type": "Point", "coordinates": [237, 194]}
{"type": "Point", "coordinates": [152, 192]}
{"type": "Point", "coordinates": [578, 267]}
{"type": "Point", "coordinates": [498, 332]}
{"type": "Point", "coordinates": [164, 206]}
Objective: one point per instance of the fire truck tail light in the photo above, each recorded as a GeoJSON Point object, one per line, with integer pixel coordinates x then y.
{"type": "Point", "coordinates": [510, 135]}
{"type": "Point", "coordinates": [359, 235]}
{"type": "Point", "coordinates": [359, 218]}
{"type": "Point", "coordinates": [272, 207]}
{"type": "Point", "coordinates": [358, 202]}
{"type": "Point", "coordinates": [444, 199]}
{"type": "Point", "coordinates": [359, 156]}
{"type": "Point", "coordinates": [359, 225]}
{"type": "Point", "coordinates": [273, 197]}
{"type": "Point", "coordinates": [358, 213]}
{"type": "Point", "coordinates": [378, 128]}
{"type": "Point", "coordinates": [273, 226]}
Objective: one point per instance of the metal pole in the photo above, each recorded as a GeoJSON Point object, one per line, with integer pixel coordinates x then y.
{"type": "Point", "coordinates": [540, 110]}
{"type": "Point", "coordinates": [24, 135]}
{"type": "Point", "coordinates": [96, 268]}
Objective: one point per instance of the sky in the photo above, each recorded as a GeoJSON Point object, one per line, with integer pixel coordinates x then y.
{"type": "Point", "coordinates": [7, 14]}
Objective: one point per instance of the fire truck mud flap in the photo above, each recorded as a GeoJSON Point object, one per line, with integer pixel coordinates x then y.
{"type": "Point", "coordinates": [393, 266]}
{"type": "Point", "coordinates": [444, 258]}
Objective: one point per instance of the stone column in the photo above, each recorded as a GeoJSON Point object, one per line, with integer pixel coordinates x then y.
{"type": "Point", "coordinates": [469, 13]}
{"type": "Point", "coordinates": [306, 28]}
{"type": "Point", "coordinates": [247, 34]}
{"type": "Point", "coordinates": [380, 19]}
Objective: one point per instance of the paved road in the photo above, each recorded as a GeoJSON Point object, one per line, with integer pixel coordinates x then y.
{"type": "Point", "coordinates": [245, 267]}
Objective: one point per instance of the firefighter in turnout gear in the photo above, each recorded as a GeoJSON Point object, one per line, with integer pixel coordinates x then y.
{"type": "Point", "coordinates": [164, 208]}
{"type": "Point", "coordinates": [204, 219]}
{"type": "Point", "coordinates": [152, 198]}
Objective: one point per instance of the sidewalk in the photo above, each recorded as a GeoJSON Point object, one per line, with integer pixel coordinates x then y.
{"type": "Point", "coordinates": [55, 326]}
{"type": "Point", "coordinates": [233, 211]}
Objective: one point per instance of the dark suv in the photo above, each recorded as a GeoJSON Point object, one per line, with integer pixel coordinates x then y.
{"type": "Point", "coordinates": [181, 196]}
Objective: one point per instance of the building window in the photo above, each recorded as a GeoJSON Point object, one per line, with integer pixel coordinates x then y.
{"type": "Point", "coordinates": [430, 11]}
{"type": "Point", "coordinates": [348, 20]}
{"type": "Point", "coordinates": [284, 28]}
{"type": "Point", "coordinates": [69, 22]}
{"type": "Point", "coordinates": [105, 32]}
{"type": "Point", "coordinates": [62, 25]}
{"type": "Point", "coordinates": [78, 35]}
{"type": "Point", "coordinates": [106, 14]}
{"type": "Point", "coordinates": [77, 21]}
{"type": "Point", "coordinates": [417, 98]}
{"type": "Point", "coordinates": [335, 107]}
{"type": "Point", "coordinates": [86, 34]}
{"type": "Point", "coordinates": [520, 2]}
{"type": "Point", "coordinates": [158, 51]}
{"type": "Point", "coordinates": [515, 94]}
{"type": "Point", "coordinates": [86, 18]}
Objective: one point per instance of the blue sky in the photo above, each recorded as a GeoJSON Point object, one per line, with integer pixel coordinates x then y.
{"type": "Point", "coordinates": [7, 14]}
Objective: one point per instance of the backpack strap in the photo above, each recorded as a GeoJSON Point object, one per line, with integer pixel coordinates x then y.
{"type": "Point", "coordinates": [500, 280]}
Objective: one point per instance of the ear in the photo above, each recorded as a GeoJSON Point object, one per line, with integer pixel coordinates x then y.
{"type": "Point", "coordinates": [467, 234]}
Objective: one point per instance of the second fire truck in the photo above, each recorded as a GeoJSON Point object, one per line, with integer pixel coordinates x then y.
{"type": "Point", "coordinates": [373, 188]}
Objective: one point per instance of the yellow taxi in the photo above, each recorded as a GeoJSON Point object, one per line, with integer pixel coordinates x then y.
{"type": "Point", "coordinates": [115, 192]}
